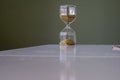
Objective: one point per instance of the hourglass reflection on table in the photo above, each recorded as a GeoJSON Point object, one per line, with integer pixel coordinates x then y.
{"type": "Point", "coordinates": [67, 15]}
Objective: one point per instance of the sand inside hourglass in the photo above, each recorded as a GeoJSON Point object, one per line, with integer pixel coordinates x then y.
{"type": "Point", "coordinates": [67, 18]}
{"type": "Point", "coordinates": [67, 42]}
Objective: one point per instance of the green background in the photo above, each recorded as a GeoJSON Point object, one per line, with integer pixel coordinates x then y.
{"type": "Point", "coordinates": [25, 23]}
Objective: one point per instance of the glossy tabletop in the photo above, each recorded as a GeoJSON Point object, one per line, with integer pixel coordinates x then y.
{"type": "Point", "coordinates": [54, 62]}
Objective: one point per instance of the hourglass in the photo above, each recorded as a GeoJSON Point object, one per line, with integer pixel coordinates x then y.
{"type": "Point", "coordinates": [67, 15]}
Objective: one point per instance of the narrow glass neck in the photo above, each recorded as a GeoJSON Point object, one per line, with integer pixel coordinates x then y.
{"type": "Point", "coordinates": [68, 25]}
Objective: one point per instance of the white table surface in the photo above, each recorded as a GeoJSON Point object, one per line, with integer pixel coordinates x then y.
{"type": "Point", "coordinates": [52, 62]}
